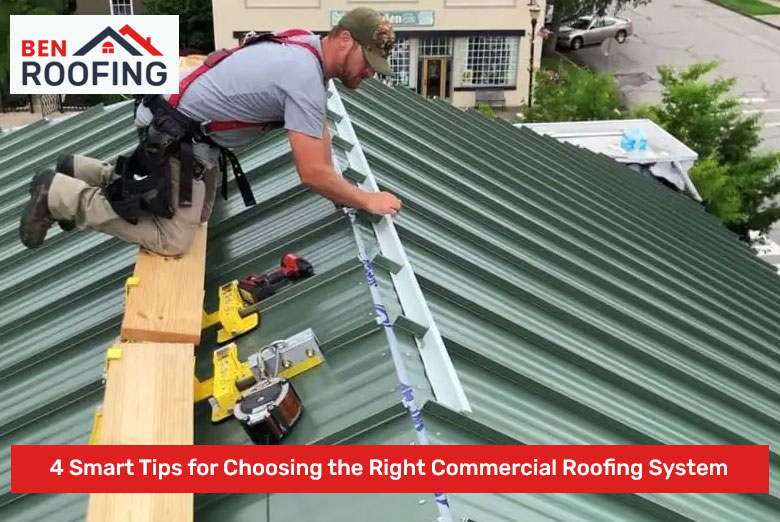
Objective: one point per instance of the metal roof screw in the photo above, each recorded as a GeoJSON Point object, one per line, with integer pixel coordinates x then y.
{"type": "Point", "coordinates": [422, 501]}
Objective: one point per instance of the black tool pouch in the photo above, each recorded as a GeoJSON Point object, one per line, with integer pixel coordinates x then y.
{"type": "Point", "coordinates": [124, 202]}
{"type": "Point", "coordinates": [143, 182]}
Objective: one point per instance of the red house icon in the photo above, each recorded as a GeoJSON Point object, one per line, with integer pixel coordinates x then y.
{"type": "Point", "coordinates": [108, 48]}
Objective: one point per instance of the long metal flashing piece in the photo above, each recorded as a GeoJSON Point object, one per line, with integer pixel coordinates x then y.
{"type": "Point", "coordinates": [438, 365]}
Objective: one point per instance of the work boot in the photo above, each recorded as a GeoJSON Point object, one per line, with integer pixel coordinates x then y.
{"type": "Point", "coordinates": [36, 217]}
{"type": "Point", "coordinates": [65, 166]}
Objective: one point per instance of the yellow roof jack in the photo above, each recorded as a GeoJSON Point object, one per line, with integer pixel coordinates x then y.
{"type": "Point", "coordinates": [239, 300]}
{"type": "Point", "coordinates": [112, 354]}
{"type": "Point", "coordinates": [231, 316]}
{"type": "Point", "coordinates": [257, 391]}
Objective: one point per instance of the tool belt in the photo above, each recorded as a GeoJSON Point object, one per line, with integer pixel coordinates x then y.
{"type": "Point", "coordinates": [143, 180]}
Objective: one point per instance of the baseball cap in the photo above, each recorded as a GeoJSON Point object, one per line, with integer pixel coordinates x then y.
{"type": "Point", "coordinates": [374, 33]}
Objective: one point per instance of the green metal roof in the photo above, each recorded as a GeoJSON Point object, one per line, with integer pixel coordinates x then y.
{"type": "Point", "coordinates": [579, 303]}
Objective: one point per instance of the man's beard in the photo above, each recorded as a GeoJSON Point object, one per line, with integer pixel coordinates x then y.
{"type": "Point", "coordinates": [352, 82]}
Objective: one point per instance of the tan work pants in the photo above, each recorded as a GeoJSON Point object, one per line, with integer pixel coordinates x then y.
{"type": "Point", "coordinates": [81, 199]}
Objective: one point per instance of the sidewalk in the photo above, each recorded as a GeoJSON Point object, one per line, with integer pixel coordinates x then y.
{"type": "Point", "coordinates": [772, 19]}
{"type": "Point", "coordinates": [9, 120]}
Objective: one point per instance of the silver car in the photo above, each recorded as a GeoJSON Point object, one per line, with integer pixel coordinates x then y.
{"type": "Point", "coordinates": [594, 30]}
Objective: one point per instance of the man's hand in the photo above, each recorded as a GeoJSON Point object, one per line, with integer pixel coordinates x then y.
{"type": "Point", "coordinates": [310, 153]}
{"type": "Point", "coordinates": [382, 203]}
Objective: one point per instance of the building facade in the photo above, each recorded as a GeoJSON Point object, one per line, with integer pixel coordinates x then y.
{"type": "Point", "coordinates": [461, 50]}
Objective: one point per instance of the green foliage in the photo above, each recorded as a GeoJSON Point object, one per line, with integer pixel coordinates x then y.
{"type": "Point", "coordinates": [738, 186]}
{"type": "Point", "coordinates": [752, 7]}
{"type": "Point", "coordinates": [20, 7]}
{"type": "Point", "coordinates": [644, 111]}
{"type": "Point", "coordinates": [757, 180]}
{"type": "Point", "coordinates": [713, 181]}
{"type": "Point", "coordinates": [487, 111]}
{"type": "Point", "coordinates": [567, 9]}
{"type": "Point", "coordinates": [196, 27]}
{"type": "Point", "coordinates": [702, 115]}
{"type": "Point", "coordinates": [576, 94]}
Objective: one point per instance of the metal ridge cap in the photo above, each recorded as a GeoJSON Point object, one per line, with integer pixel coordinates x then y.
{"type": "Point", "coordinates": [439, 369]}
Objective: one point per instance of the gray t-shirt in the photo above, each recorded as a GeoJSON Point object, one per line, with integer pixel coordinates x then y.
{"type": "Point", "coordinates": [267, 82]}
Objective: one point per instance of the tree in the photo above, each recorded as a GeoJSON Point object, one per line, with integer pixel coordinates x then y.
{"type": "Point", "coordinates": [738, 185]}
{"type": "Point", "coordinates": [196, 26]}
{"type": "Point", "coordinates": [573, 95]}
{"type": "Point", "coordinates": [567, 9]}
{"type": "Point", "coordinates": [701, 115]}
{"type": "Point", "coordinates": [20, 7]}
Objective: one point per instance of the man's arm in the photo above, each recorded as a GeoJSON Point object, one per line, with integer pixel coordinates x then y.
{"type": "Point", "coordinates": [326, 141]}
{"type": "Point", "coordinates": [310, 153]}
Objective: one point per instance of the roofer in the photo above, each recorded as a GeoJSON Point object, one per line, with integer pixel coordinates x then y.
{"type": "Point", "coordinates": [159, 194]}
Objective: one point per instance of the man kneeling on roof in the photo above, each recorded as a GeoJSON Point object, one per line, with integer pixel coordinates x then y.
{"type": "Point", "coordinates": [159, 195]}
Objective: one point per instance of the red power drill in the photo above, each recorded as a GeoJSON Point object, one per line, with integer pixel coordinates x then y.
{"type": "Point", "coordinates": [255, 288]}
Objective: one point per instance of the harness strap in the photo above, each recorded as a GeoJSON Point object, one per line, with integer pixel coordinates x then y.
{"type": "Point", "coordinates": [238, 173]}
{"type": "Point", "coordinates": [218, 56]}
{"type": "Point", "coordinates": [216, 126]}
{"type": "Point", "coordinates": [201, 131]}
{"type": "Point", "coordinates": [187, 166]}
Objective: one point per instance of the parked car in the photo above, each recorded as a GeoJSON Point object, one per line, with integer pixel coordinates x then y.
{"type": "Point", "coordinates": [587, 30]}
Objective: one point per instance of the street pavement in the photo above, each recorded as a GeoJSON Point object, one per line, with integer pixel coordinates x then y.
{"type": "Point", "coordinates": [682, 32]}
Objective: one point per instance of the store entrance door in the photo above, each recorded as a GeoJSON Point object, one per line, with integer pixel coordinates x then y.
{"type": "Point", "coordinates": [434, 77]}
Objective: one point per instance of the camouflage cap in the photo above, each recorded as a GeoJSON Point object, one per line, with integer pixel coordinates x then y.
{"type": "Point", "coordinates": [374, 33]}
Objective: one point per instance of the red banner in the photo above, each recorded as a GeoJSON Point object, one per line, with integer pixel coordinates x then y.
{"type": "Point", "coordinates": [390, 469]}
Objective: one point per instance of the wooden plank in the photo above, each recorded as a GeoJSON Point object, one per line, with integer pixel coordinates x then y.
{"type": "Point", "coordinates": [148, 400]}
{"type": "Point", "coordinates": [166, 303]}
{"type": "Point", "coordinates": [149, 395]}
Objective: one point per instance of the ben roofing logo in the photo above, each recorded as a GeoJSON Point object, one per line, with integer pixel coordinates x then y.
{"type": "Point", "coordinates": [94, 54]}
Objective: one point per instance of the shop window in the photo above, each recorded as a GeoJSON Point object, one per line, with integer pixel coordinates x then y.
{"type": "Point", "coordinates": [489, 61]}
{"type": "Point", "coordinates": [399, 61]}
{"type": "Point", "coordinates": [121, 7]}
{"type": "Point", "coordinates": [435, 46]}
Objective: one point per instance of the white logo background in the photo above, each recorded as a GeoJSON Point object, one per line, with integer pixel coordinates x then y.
{"type": "Point", "coordinates": [161, 30]}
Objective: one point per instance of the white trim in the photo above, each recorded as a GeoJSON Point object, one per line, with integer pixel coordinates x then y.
{"type": "Point", "coordinates": [438, 365]}
{"type": "Point", "coordinates": [414, 56]}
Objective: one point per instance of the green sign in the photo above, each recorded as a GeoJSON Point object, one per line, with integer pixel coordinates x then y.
{"type": "Point", "coordinates": [398, 18]}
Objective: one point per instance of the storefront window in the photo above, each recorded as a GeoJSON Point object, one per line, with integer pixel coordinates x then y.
{"type": "Point", "coordinates": [121, 7]}
{"type": "Point", "coordinates": [399, 61]}
{"type": "Point", "coordinates": [435, 46]}
{"type": "Point", "coordinates": [489, 61]}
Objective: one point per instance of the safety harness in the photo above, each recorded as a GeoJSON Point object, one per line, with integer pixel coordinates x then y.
{"type": "Point", "coordinates": [152, 158]}
{"type": "Point", "coordinates": [217, 56]}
